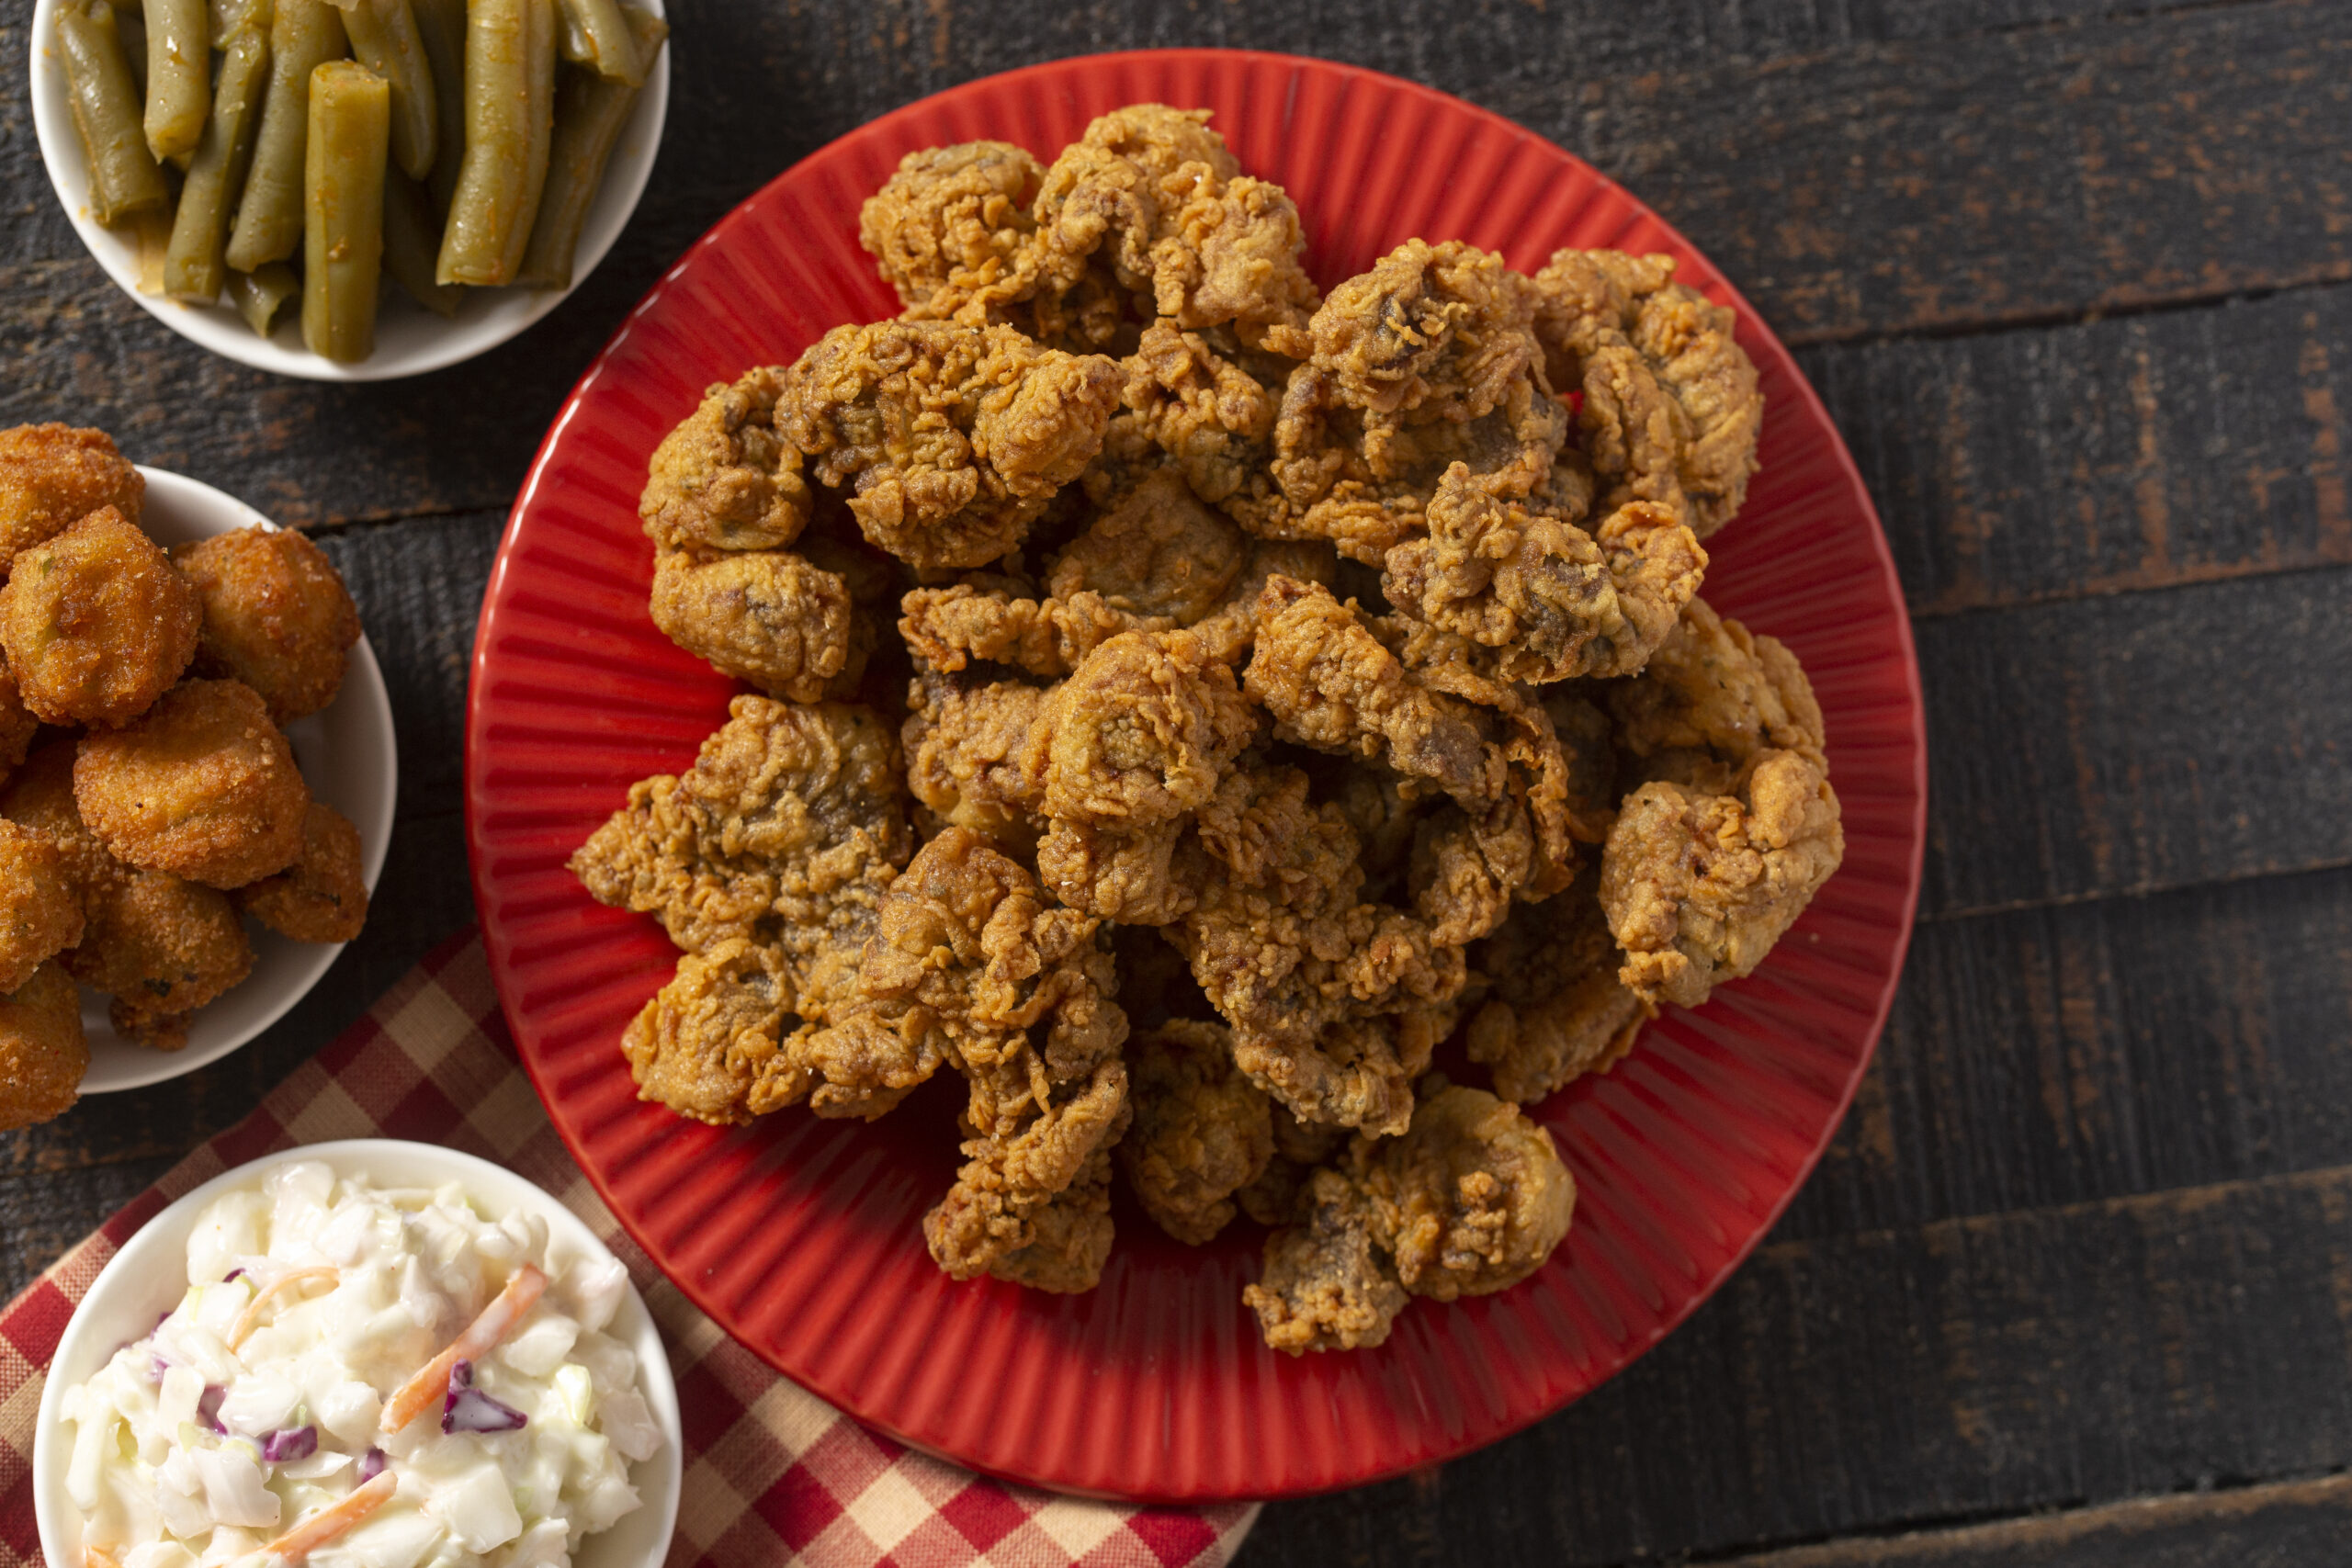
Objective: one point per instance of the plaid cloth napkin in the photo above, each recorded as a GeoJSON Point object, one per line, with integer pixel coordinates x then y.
{"type": "Point", "coordinates": [773, 1475]}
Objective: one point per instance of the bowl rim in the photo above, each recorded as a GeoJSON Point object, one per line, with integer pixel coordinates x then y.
{"type": "Point", "coordinates": [656, 1380]}
{"type": "Point", "coordinates": [218, 329]}
{"type": "Point", "coordinates": [1046, 76]}
{"type": "Point", "coordinates": [364, 684]}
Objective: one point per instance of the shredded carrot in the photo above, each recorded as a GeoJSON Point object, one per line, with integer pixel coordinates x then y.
{"type": "Point", "coordinates": [250, 1319]}
{"type": "Point", "coordinates": [98, 1557]}
{"type": "Point", "coordinates": [333, 1519]}
{"type": "Point", "coordinates": [497, 1320]}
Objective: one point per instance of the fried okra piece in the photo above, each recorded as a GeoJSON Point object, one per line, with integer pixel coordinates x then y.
{"type": "Point", "coordinates": [276, 615]}
{"type": "Point", "coordinates": [322, 897]}
{"type": "Point", "coordinates": [162, 946]}
{"type": "Point", "coordinates": [40, 904]}
{"type": "Point", "coordinates": [18, 726]}
{"type": "Point", "coordinates": [52, 476]}
{"type": "Point", "coordinates": [43, 1052]}
{"type": "Point", "coordinates": [96, 624]}
{"type": "Point", "coordinates": [203, 786]}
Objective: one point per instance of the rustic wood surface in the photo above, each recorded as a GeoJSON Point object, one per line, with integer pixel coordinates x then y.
{"type": "Point", "coordinates": [2074, 1285]}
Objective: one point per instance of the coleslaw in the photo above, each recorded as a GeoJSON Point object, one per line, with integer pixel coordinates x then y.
{"type": "Point", "coordinates": [361, 1377]}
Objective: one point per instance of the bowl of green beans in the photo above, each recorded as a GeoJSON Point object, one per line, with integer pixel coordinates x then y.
{"type": "Point", "coordinates": [349, 190]}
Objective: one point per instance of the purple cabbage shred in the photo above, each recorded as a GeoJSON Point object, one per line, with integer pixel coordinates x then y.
{"type": "Point", "coordinates": [469, 1409]}
{"type": "Point", "coordinates": [291, 1443]}
{"type": "Point", "coordinates": [232, 1274]}
{"type": "Point", "coordinates": [371, 1465]}
{"type": "Point", "coordinates": [208, 1407]}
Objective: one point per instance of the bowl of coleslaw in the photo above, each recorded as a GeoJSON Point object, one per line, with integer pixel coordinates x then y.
{"type": "Point", "coordinates": [368, 1354]}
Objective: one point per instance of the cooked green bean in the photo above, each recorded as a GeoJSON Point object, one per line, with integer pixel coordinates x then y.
{"type": "Point", "coordinates": [590, 111]}
{"type": "Point", "coordinates": [384, 38]}
{"type": "Point", "coordinates": [257, 294]}
{"type": "Point", "coordinates": [442, 25]}
{"type": "Point", "coordinates": [179, 61]}
{"type": "Point", "coordinates": [412, 245]}
{"type": "Point", "coordinates": [604, 40]}
{"type": "Point", "coordinates": [303, 35]}
{"type": "Point", "coordinates": [343, 207]}
{"type": "Point", "coordinates": [510, 112]}
{"type": "Point", "coordinates": [192, 267]}
{"type": "Point", "coordinates": [124, 177]}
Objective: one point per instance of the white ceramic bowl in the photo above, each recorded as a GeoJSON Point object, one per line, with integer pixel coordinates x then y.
{"type": "Point", "coordinates": [410, 340]}
{"type": "Point", "coordinates": [149, 1275]}
{"type": "Point", "coordinates": [351, 763]}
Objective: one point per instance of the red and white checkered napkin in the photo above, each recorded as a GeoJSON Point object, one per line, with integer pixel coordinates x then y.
{"type": "Point", "coordinates": [774, 1474]}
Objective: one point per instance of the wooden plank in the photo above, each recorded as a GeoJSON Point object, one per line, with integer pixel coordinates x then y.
{"type": "Point", "coordinates": [2296, 1522]}
{"type": "Point", "coordinates": [2093, 1051]}
{"type": "Point", "coordinates": [2126, 745]}
{"type": "Point", "coordinates": [2015, 177]}
{"type": "Point", "coordinates": [2065, 1358]}
{"type": "Point", "coordinates": [2181, 447]}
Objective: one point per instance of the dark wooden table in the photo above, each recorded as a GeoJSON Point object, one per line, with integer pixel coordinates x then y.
{"type": "Point", "coordinates": [2074, 1284]}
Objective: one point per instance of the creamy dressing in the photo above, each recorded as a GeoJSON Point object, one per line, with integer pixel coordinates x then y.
{"type": "Point", "coordinates": [257, 1404]}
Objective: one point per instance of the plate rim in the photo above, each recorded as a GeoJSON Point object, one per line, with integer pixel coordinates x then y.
{"type": "Point", "coordinates": [500, 948]}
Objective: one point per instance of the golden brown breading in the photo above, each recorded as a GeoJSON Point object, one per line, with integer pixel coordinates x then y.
{"type": "Point", "coordinates": [41, 903]}
{"type": "Point", "coordinates": [1142, 730]}
{"type": "Point", "coordinates": [1150, 203]}
{"type": "Point", "coordinates": [52, 476]}
{"type": "Point", "coordinates": [1699, 886]}
{"type": "Point", "coordinates": [1202, 1130]}
{"type": "Point", "coordinates": [1357, 1069]}
{"type": "Point", "coordinates": [766, 616]}
{"type": "Point", "coordinates": [276, 615]}
{"type": "Point", "coordinates": [1672, 407]}
{"type": "Point", "coordinates": [1211, 404]}
{"type": "Point", "coordinates": [1554, 1009]}
{"type": "Point", "coordinates": [40, 796]}
{"type": "Point", "coordinates": [1545, 600]}
{"type": "Point", "coordinates": [724, 479]}
{"type": "Point", "coordinates": [1589, 796]}
{"type": "Point", "coordinates": [976, 754]}
{"type": "Point", "coordinates": [18, 726]}
{"type": "Point", "coordinates": [704, 1043]}
{"type": "Point", "coordinates": [1715, 689]}
{"type": "Point", "coordinates": [1428, 359]}
{"type": "Point", "coordinates": [203, 786]}
{"type": "Point", "coordinates": [1032, 1205]}
{"type": "Point", "coordinates": [950, 230]}
{"type": "Point", "coordinates": [1471, 1200]}
{"type": "Point", "coordinates": [786, 831]}
{"type": "Point", "coordinates": [1276, 1198]}
{"type": "Point", "coordinates": [96, 623]}
{"type": "Point", "coordinates": [322, 897]}
{"type": "Point", "coordinates": [1325, 1285]}
{"type": "Point", "coordinates": [953, 438]}
{"type": "Point", "coordinates": [162, 947]}
{"type": "Point", "coordinates": [43, 1052]}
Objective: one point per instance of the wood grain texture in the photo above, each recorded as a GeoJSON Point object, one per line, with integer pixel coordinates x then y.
{"type": "Point", "coordinates": [2053, 1358]}
{"type": "Point", "coordinates": [2146, 741]}
{"type": "Point", "coordinates": [2101, 1050]}
{"type": "Point", "coordinates": [2293, 1522]}
{"type": "Point", "coordinates": [2179, 447]}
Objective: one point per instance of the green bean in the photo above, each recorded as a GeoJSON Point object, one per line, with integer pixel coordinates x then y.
{"type": "Point", "coordinates": [442, 25]}
{"type": "Point", "coordinates": [412, 245]}
{"type": "Point", "coordinates": [510, 112]}
{"type": "Point", "coordinates": [596, 34]}
{"type": "Point", "coordinates": [303, 35]}
{"type": "Point", "coordinates": [179, 61]}
{"type": "Point", "coordinates": [258, 293]}
{"type": "Point", "coordinates": [590, 111]}
{"type": "Point", "coordinates": [124, 177]}
{"type": "Point", "coordinates": [192, 267]}
{"type": "Point", "coordinates": [384, 38]}
{"type": "Point", "coordinates": [343, 228]}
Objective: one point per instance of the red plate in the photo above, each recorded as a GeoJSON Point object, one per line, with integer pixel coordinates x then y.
{"type": "Point", "coordinates": [800, 1236]}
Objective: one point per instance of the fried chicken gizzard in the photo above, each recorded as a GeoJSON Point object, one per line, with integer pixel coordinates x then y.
{"type": "Point", "coordinates": [1331, 667]}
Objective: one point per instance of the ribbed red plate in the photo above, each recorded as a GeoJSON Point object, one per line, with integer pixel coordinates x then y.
{"type": "Point", "coordinates": [801, 1237]}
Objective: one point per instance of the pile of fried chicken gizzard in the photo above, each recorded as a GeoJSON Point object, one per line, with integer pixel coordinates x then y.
{"type": "Point", "coordinates": [1286, 682]}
